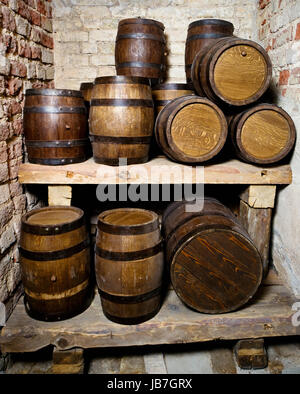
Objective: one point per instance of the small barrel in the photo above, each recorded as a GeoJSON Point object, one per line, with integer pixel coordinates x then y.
{"type": "Point", "coordinates": [214, 265]}
{"type": "Point", "coordinates": [232, 71]}
{"type": "Point", "coordinates": [263, 134]}
{"type": "Point", "coordinates": [129, 264]}
{"type": "Point", "coordinates": [55, 263]}
{"type": "Point", "coordinates": [202, 33]}
{"type": "Point", "coordinates": [86, 90]}
{"type": "Point", "coordinates": [140, 49]}
{"type": "Point", "coordinates": [164, 93]}
{"type": "Point", "coordinates": [191, 129]}
{"type": "Point", "coordinates": [55, 126]}
{"type": "Point", "coordinates": [121, 120]}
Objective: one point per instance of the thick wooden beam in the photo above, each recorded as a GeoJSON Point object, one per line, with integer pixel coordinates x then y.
{"type": "Point", "coordinates": [251, 354]}
{"type": "Point", "coordinates": [259, 196]}
{"type": "Point", "coordinates": [59, 195]}
{"type": "Point", "coordinates": [68, 361]}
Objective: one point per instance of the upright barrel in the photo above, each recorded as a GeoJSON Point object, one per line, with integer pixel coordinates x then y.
{"type": "Point", "coordinates": [202, 33]}
{"type": "Point", "coordinates": [165, 92]}
{"type": "Point", "coordinates": [121, 120]}
{"type": "Point", "coordinates": [232, 71]}
{"type": "Point", "coordinates": [129, 264]}
{"type": "Point", "coordinates": [55, 262]}
{"type": "Point", "coordinates": [55, 126]}
{"type": "Point", "coordinates": [86, 90]}
{"type": "Point", "coordinates": [140, 49]}
{"type": "Point", "coordinates": [191, 129]}
{"type": "Point", "coordinates": [263, 134]}
{"type": "Point", "coordinates": [214, 265]}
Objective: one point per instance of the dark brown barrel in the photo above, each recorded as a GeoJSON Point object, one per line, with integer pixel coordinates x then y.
{"type": "Point", "coordinates": [191, 129]}
{"type": "Point", "coordinates": [202, 33]}
{"type": "Point", "coordinates": [55, 262]}
{"type": "Point", "coordinates": [129, 264]}
{"type": "Point", "coordinates": [121, 119]}
{"type": "Point", "coordinates": [214, 265]}
{"type": "Point", "coordinates": [233, 71]}
{"type": "Point", "coordinates": [165, 92]}
{"type": "Point", "coordinates": [55, 126]}
{"type": "Point", "coordinates": [86, 90]}
{"type": "Point", "coordinates": [140, 49]}
{"type": "Point", "coordinates": [263, 134]}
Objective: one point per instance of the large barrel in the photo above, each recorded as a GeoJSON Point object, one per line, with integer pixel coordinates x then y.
{"type": "Point", "coordinates": [129, 264]}
{"type": "Point", "coordinates": [165, 92]}
{"type": "Point", "coordinates": [140, 49]}
{"type": "Point", "coordinates": [55, 262]}
{"type": "Point", "coordinates": [263, 134]}
{"type": "Point", "coordinates": [202, 33]}
{"type": "Point", "coordinates": [232, 70]}
{"type": "Point", "coordinates": [214, 265]}
{"type": "Point", "coordinates": [121, 119]}
{"type": "Point", "coordinates": [191, 129]}
{"type": "Point", "coordinates": [55, 126]}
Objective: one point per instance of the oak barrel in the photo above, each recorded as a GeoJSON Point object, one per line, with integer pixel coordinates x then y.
{"type": "Point", "coordinates": [165, 92]}
{"type": "Point", "coordinates": [129, 264]}
{"type": "Point", "coordinates": [121, 119]}
{"type": "Point", "coordinates": [263, 134]}
{"type": "Point", "coordinates": [214, 265]}
{"type": "Point", "coordinates": [191, 129]}
{"type": "Point", "coordinates": [140, 49]}
{"type": "Point", "coordinates": [232, 71]}
{"type": "Point", "coordinates": [202, 33]}
{"type": "Point", "coordinates": [55, 262]}
{"type": "Point", "coordinates": [55, 126]}
{"type": "Point", "coordinates": [86, 90]}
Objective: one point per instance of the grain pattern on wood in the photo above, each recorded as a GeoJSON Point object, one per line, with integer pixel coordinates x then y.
{"type": "Point", "coordinates": [164, 93]}
{"type": "Point", "coordinates": [259, 196]}
{"type": "Point", "coordinates": [251, 354]}
{"type": "Point", "coordinates": [59, 195]}
{"type": "Point", "coordinates": [156, 171]}
{"type": "Point", "coordinates": [69, 361]}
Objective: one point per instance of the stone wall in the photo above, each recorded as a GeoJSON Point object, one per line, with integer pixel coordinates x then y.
{"type": "Point", "coordinates": [26, 60]}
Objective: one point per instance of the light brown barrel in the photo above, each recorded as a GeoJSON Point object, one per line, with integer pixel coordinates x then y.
{"type": "Point", "coordinates": [214, 265]}
{"type": "Point", "coordinates": [164, 93]}
{"type": "Point", "coordinates": [140, 49]}
{"type": "Point", "coordinates": [202, 33]}
{"type": "Point", "coordinates": [233, 71]}
{"type": "Point", "coordinates": [121, 119]}
{"type": "Point", "coordinates": [129, 264]}
{"type": "Point", "coordinates": [191, 129]}
{"type": "Point", "coordinates": [55, 262]}
{"type": "Point", "coordinates": [263, 134]}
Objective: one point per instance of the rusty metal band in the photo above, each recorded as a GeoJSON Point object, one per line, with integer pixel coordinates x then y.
{"type": "Point", "coordinates": [206, 36]}
{"type": "Point", "coordinates": [116, 162]}
{"type": "Point", "coordinates": [162, 103]}
{"type": "Point", "coordinates": [57, 162]}
{"type": "Point", "coordinates": [56, 255]}
{"type": "Point", "coordinates": [120, 140]}
{"type": "Point", "coordinates": [173, 86]}
{"type": "Point", "coordinates": [141, 36]}
{"type": "Point", "coordinates": [53, 230]}
{"type": "Point", "coordinates": [218, 22]}
{"type": "Point", "coordinates": [128, 230]}
{"type": "Point", "coordinates": [56, 143]}
{"type": "Point", "coordinates": [140, 65]}
{"type": "Point", "coordinates": [86, 85]}
{"type": "Point", "coordinates": [130, 299]}
{"type": "Point", "coordinates": [129, 256]}
{"type": "Point", "coordinates": [55, 110]}
{"type": "Point", "coordinates": [54, 92]}
{"type": "Point", "coordinates": [121, 103]}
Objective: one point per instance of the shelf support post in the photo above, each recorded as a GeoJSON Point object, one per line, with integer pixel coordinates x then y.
{"type": "Point", "coordinates": [59, 195]}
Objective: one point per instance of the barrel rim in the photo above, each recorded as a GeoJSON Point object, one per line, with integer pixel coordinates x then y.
{"type": "Point", "coordinates": [54, 92]}
{"type": "Point", "coordinates": [115, 79]}
{"type": "Point", "coordinates": [86, 85]}
{"type": "Point", "coordinates": [142, 21]}
{"type": "Point", "coordinates": [211, 21]}
{"type": "Point", "coordinates": [173, 86]}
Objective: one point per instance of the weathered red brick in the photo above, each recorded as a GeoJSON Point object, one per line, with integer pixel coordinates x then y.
{"type": "Point", "coordinates": [18, 69]}
{"type": "Point", "coordinates": [41, 7]}
{"type": "Point", "coordinates": [47, 41]}
{"type": "Point", "coordinates": [35, 18]}
{"type": "Point", "coordinates": [5, 131]}
{"type": "Point", "coordinates": [17, 127]}
{"type": "Point", "coordinates": [284, 77]}
{"type": "Point", "coordinates": [14, 86]}
{"type": "Point", "coordinates": [14, 108]}
{"type": "Point", "coordinates": [36, 52]}
{"type": "Point", "coordinates": [13, 46]}
{"type": "Point", "coordinates": [2, 85]}
{"type": "Point", "coordinates": [8, 20]}
{"type": "Point", "coordinates": [297, 36]}
{"type": "Point", "coordinates": [24, 49]}
{"type": "Point", "coordinates": [23, 10]}
{"type": "Point", "coordinates": [4, 1]}
{"type": "Point", "coordinates": [32, 3]}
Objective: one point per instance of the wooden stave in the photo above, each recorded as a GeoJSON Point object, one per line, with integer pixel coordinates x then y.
{"type": "Point", "coordinates": [164, 93]}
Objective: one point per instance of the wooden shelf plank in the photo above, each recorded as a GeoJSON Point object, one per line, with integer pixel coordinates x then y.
{"type": "Point", "coordinates": [269, 314]}
{"type": "Point", "coordinates": [157, 171]}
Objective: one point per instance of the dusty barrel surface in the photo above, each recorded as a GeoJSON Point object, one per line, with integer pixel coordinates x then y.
{"type": "Point", "coordinates": [191, 129]}
{"type": "Point", "coordinates": [164, 93]}
{"type": "Point", "coordinates": [232, 71]}
{"type": "Point", "coordinates": [263, 134]}
{"type": "Point", "coordinates": [121, 119]}
{"type": "Point", "coordinates": [55, 262]}
{"type": "Point", "coordinates": [214, 265]}
{"type": "Point", "coordinates": [55, 126]}
{"type": "Point", "coordinates": [140, 49]}
{"type": "Point", "coordinates": [202, 33]}
{"type": "Point", "coordinates": [129, 264]}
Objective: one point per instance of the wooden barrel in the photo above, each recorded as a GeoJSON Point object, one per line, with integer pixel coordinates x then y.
{"type": "Point", "coordinates": [86, 90]}
{"type": "Point", "coordinates": [202, 33]}
{"type": "Point", "coordinates": [129, 264]}
{"type": "Point", "coordinates": [233, 71]}
{"type": "Point", "coordinates": [191, 129]}
{"type": "Point", "coordinates": [55, 126]}
{"type": "Point", "coordinates": [164, 93]}
{"type": "Point", "coordinates": [214, 265]}
{"type": "Point", "coordinates": [263, 134]}
{"type": "Point", "coordinates": [55, 262]}
{"type": "Point", "coordinates": [140, 49]}
{"type": "Point", "coordinates": [121, 119]}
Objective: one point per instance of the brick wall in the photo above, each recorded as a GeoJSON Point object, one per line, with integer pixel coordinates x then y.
{"type": "Point", "coordinates": [26, 60]}
{"type": "Point", "coordinates": [278, 24]}
{"type": "Point", "coordinates": [85, 32]}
